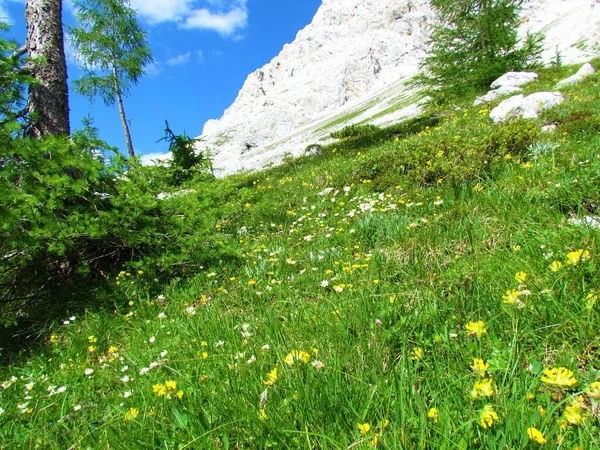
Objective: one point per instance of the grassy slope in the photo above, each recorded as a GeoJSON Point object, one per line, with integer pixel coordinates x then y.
{"type": "Point", "coordinates": [377, 282]}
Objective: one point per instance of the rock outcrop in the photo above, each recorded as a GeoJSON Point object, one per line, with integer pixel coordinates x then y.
{"type": "Point", "coordinates": [349, 66]}
{"type": "Point", "coordinates": [525, 107]}
{"type": "Point", "coordinates": [509, 83]}
{"type": "Point", "coordinates": [585, 71]}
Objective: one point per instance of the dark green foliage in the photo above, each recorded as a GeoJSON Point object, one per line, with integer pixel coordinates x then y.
{"type": "Point", "coordinates": [70, 218]}
{"type": "Point", "coordinates": [474, 44]}
{"type": "Point", "coordinates": [186, 160]}
{"type": "Point", "coordinates": [355, 131]}
{"type": "Point", "coordinates": [466, 148]}
{"type": "Point", "coordinates": [12, 80]}
{"type": "Point", "coordinates": [457, 155]}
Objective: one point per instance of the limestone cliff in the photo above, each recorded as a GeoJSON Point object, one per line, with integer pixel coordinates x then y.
{"type": "Point", "coordinates": [349, 65]}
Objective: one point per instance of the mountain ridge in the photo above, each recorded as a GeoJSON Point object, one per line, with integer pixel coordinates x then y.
{"type": "Point", "coordinates": [350, 65]}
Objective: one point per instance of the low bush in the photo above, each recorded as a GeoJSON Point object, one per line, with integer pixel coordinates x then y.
{"type": "Point", "coordinates": [355, 131]}
{"type": "Point", "coordinates": [458, 153]}
{"type": "Point", "coordinates": [68, 215]}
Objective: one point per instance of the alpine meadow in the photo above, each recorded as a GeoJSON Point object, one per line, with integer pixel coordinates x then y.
{"type": "Point", "coordinates": [429, 284]}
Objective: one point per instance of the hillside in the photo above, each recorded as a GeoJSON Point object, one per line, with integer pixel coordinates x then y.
{"type": "Point", "coordinates": [350, 66]}
{"type": "Point", "coordinates": [433, 284]}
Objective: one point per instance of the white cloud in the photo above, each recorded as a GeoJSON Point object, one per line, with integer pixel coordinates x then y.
{"type": "Point", "coordinates": [223, 16]}
{"type": "Point", "coordinates": [223, 23]}
{"type": "Point", "coordinates": [4, 15]}
{"type": "Point", "coordinates": [158, 11]}
{"type": "Point", "coordinates": [179, 60]}
{"type": "Point", "coordinates": [152, 159]}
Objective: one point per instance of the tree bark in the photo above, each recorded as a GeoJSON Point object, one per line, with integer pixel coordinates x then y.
{"type": "Point", "coordinates": [122, 114]}
{"type": "Point", "coordinates": [48, 99]}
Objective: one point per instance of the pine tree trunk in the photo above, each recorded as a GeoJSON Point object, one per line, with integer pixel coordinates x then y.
{"type": "Point", "coordinates": [122, 114]}
{"type": "Point", "coordinates": [48, 100]}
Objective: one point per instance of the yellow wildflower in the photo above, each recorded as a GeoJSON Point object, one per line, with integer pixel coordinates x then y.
{"type": "Point", "coordinates": [91, 349]}
{"type": "Point", "coordinates": [483, 388]}
{"type": "Point", "coordinates": [591, 300]}
{"type": "Point", "coordinates": [536, 435]}
{"type": "Point", "coordinates": [179, 395]}
{"type": "Point", "coordinates": [113, 349]}
{"type": "Point", "coordinates": [297, 355]}
{"type": "Point", "coordinates": [511, 297]}
{"type": "Point", "coordinates": [416, 354]}
{"type": "Point", "coordinates": [555, 266]}
{"type": "Point", "coordinates": [92, 339]}
{"type": "Point", "coordinates": [480, 366]}
{"type": "Point", "coordinates": [251, 282]}
{"type": "Point", "coordinates": [171, 385]}
{"type": "Point", "coordinates": [262, 414]}
{"type": "Point", "coordinates": [520, 277]}
{"type": "Point", "coordinates": [131, 414]}
{"type": "Point", "coordinates": [204, 355]}
{"type": "Point", "coordinates": [271, 377]}
{"type": "Point", "coordinates": [541, 411]}
{"type": "Point", "coordinates": [374, 440]}
{"type": "Point", "coordinates": [574, 258]}
{"type": "Point", "coordinates": [364, 428]}
{"type": "Point", "coordinates": [159, 389]}
{"type": "Point", "coordinates": [572, 414]}
{"type": "Point", "coordinates": [488, 416]}
{"type": "Point", "coordinates": [594, 390]}
{"type": "Point", "coordinates": [433, 414]}
{"type": "Point", "coordinates": [476, 328]}
{"type": "Point", "coordinates": [559, 376]}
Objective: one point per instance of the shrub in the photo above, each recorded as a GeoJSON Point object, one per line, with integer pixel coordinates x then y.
{"type": "Point", "coordinates": [458, 154]}
{"type": "Point", "coordinates": [69, 217]}
{"type": "Point", "coordinates": [186, 161]}
{"type": "Point", "coordinates": [355, 131]}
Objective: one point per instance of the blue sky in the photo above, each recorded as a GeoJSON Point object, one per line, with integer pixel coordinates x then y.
{"type": "Point", "coordinates": [204, 50]}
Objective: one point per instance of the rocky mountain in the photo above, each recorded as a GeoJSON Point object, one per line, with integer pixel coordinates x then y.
{"type": "Point", "coordinates": [350, 65]}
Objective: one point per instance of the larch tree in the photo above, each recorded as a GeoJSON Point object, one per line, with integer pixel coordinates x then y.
{"type": "Point", "coordinates": [113, 51]}
{"type": "Point", "coordinates": [474, 42]}
{"type": "Point", "coordinates": [48, 95]}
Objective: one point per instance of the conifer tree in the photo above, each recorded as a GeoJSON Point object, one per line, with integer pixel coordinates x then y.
{"type": "Point", "coordinates": [114, 52]}
{"type": "Point", "coordinates": [48, 98]}
{"type": "Point", "coordinates": [475, 42]}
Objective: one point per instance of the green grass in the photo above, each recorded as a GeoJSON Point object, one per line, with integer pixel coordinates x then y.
{"type": "Point", "coordinates": [359, 285]}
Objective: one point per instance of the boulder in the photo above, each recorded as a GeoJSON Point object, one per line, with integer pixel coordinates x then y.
{"type": "Point", "coordinates": [313, 150]}
{"type": "Point", "coordinates": [495, 94]}
{"type": "Point", "coordinates": [514, 79]}
{"type": "Point", "coordinates": [507, 84]}
{"type": "Point", "coordinates": [549, 128]}
{"type": "Point", "coordinates": [525, 107]}
{"type": "Point", "coordinates": [585, 71]}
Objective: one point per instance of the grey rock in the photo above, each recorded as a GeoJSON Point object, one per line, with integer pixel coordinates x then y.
{"type": "Point", "coordinates": [525, 107]}
{"type": "Point", "coordinates": [514, 79]}
{"type": "Point", "coordinates": [313, 150]}
{"type": "Point", "coordinates": [585, 71]}
{"type": "Point", "coordinates": [495, 94]}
